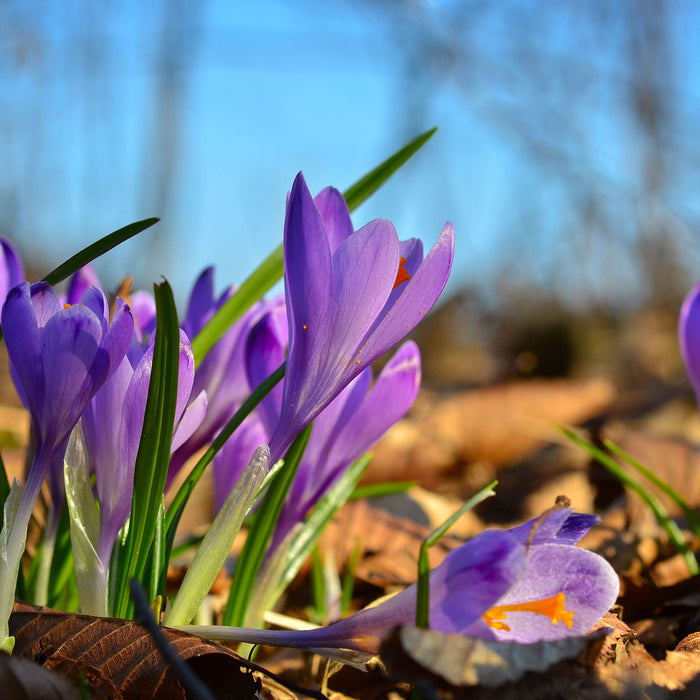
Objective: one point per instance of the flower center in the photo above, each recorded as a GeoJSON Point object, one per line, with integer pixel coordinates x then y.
{"type": "Point", "coordinates": [402, 275]}
{"type": "Point", "coordinates": [552, 608]}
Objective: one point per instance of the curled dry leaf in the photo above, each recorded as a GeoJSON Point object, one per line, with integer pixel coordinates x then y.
{"type": "Point", "coordinates": [119, 659]}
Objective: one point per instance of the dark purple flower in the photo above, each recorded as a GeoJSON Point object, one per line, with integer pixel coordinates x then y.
{"type": "Point", "coordinates": [11, 269]}
{"type": "Point", "coordinates": [112, 425]}
{"type": "Point", "coordinates": [523, 585]}
{"type": "Point", "coordinates": [346, 301]}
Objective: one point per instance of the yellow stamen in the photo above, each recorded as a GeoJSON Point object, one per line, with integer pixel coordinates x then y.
{"type": "Point", "coordinates": [402, 275]}
{"type": "Point", "coordinates": [552, 608]}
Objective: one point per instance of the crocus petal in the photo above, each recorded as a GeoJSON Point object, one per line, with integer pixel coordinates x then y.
{"type": "Point", "coordinates": [190, 420]}
{"type": "Point", "coordinates": [689, 336]}
{"type": "Point", "coordinates": [45, 301]}
{"type": "Point", "coordinates": [11, 269]}
{"type": "Point", "coordinates": [590, 586]}
{"type": "Point", "coordinates": [336, 216]}
{"type": "Point", "coordinates": [143, 308]}
{"type": "Point", "coordinates": [417, 298]}
{"type": "Point", "coordinates": [23, 340]}
{"type": "Point", "coordinates": [79, 283]}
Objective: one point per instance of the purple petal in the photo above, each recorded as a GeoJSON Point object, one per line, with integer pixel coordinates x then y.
{"type": "Point", "coordinates": [234, 456]}
{"type": "Point", "coordinates": [23, 341]}
{"type": "Point", "coordinates": [118, 337]}
{"type": "Point", "coordinates": [336, 216]}
{"type": "Point", "coordinates": [417, 298]}
{"type": "Point", "coordinates": [191, 420]}
{"type": "Point", "coordinates": [75, 366]}
{"type": "Point", "coordinates": [689, 336]}
{"type": "Point", "coordinates": [588, 582]}
{"type": "Point", "coordinates": [45, 301]}
{"type": "Point", "coordinates": [143, 308]}
{"type": "Point", "coordinates": [11, 270]}
{"type": "Point", "coordinates": [84, 278]}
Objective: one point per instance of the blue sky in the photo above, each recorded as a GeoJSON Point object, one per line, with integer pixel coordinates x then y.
{"type": "Point", "coordinates": [263, 90]}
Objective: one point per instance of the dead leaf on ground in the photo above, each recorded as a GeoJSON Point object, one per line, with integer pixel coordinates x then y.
{"type": "Point", "coordinates": [119, 659]}
{"type": "Point", "coordinates": [498, 425]}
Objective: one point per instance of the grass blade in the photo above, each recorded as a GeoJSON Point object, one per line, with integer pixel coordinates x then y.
{"type": "Point", "coordinates": [259, 535]}
{"type": "Point", "coordinates": [374, 179]}
{"type": "Point", "coordinates": [655, 505]}
{"type": "Point", "coordinates": [153, 455]}
{"type": "Point", "coordinates": [423, 593]}
{"type": "Point", "coordinates": [94, 250]}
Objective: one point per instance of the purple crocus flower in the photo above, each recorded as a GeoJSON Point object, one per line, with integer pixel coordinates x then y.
{"type": "Point", "coordinates": [112, 425]}
{"type": "Point", "coordinates": [59, 359]}
{"type": "Point", "coordinates": [222, 372]}
{"type": "Point", "coordinates": [350, 297]}
{"type": "Point", "coordinates": [11, 269]}
{"type": "Point", "coordinates": [525, 585]}
{"type": "Point", "coordinates": [689, 337]}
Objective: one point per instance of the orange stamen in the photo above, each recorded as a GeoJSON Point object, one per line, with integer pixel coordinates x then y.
{"type": "Point", "coordinates": [553, 608]}
{"type": "Point", "coordinates": [402, 275]}
{"type": "Point", "coordinates": [66, 306]}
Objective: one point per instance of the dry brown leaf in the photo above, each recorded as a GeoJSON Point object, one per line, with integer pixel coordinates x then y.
{"type": "Point", "coordinates": [119, 659]}
{"type": "Point", "coordinates": [389, 544]}
{"type": "Point", "coordinates": [498, 425]}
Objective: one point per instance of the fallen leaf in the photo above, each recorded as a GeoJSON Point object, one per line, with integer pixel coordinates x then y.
{"type": "Point", "coordinates": [22, 679]}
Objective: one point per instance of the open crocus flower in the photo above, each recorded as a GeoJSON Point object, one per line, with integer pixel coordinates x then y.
{"type": "Point", "coordinates": [689, 337]}
{"type": "Point", "coordinates": [350, 297]}
{"type": "Point", "coordinates": [527, 584]}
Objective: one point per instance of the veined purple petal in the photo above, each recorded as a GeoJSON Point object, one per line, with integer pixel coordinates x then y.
{"type": "Point", "coordinates": [689, 336]}
{"type": "Point", "coordinates": [336, 216]}
{"type": "Point", "coordinates": [589, 584]}
{"type": "Point", "coordinates": [45, 301]}
{"type": "Point", "coordinates": [143, 308]}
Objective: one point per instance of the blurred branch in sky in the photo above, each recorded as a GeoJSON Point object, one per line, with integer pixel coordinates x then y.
{"type": "Point", "coordinates": [588, 92]}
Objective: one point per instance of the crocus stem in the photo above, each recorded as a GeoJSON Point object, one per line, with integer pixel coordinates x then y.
{"type": "Point", "coordinates": [41, 593]}
{"type": "Point", "coordinates": [17, 540]}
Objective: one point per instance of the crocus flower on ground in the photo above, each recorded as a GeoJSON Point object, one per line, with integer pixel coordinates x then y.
{"type": "Point", "coordinates": [350, 297]}
{"type": "Point", "coordinates": [527, 584]}
{"type": "Point", "coordinates": [59, 359]}
{"type": "Point", "coordinates": [11, 269]}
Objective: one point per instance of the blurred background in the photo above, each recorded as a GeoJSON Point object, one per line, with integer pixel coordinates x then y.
{"type": "Point", "coordinates": [566, 156]}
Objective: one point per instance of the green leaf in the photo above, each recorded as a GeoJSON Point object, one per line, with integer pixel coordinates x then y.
{"type": "Point", "coordinates": [688, 512]}
{"type": "Point", "coordinates": [153, 455]}
{"type": "Point", "coordinates": [90, 571]}
{"type": "Point", "coordinates": [284, 564]}
{"type": "Point", "coordinates": [270, 271]}
{"type": "Point", "coordinates": [654, 504]}
{"type": "Point", "coordinates": [217, 543]}
{"type": "Point", "coordinates": [370, 183]}
{"type": "Point", "coordinates": [86, 255]}
{"type": "Point", "coordinates": [376, 490]}
{"type": "Point", "coordinates": [423, 592]}
{"type": "Point", "coordinates": [260, 533]}
{"type": "Point", "coordinates": [265, 276]}
{"type": "Point", "coordinates": [4, 494]}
